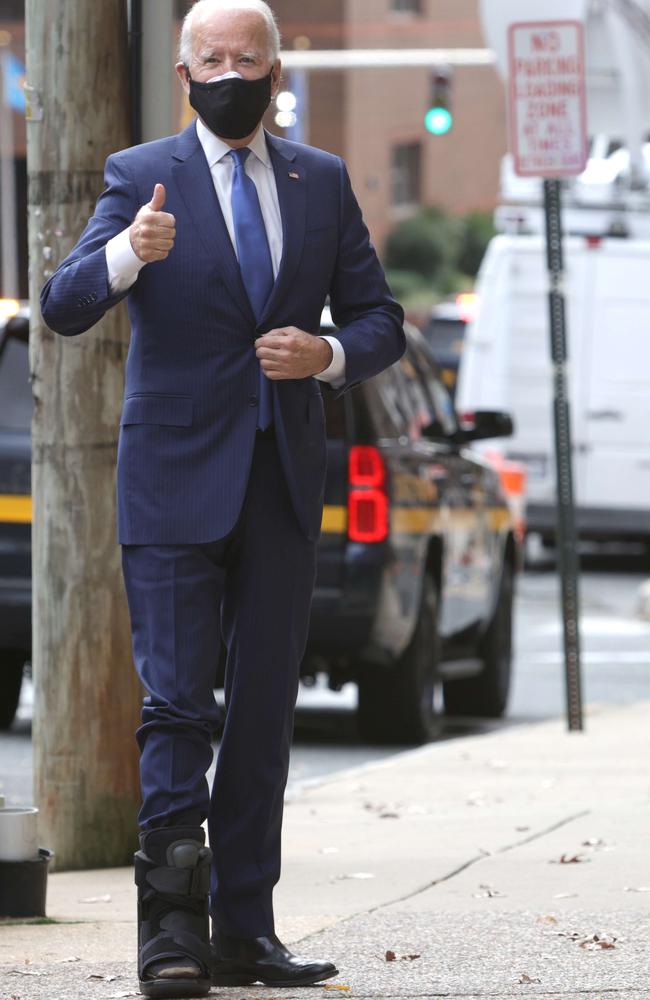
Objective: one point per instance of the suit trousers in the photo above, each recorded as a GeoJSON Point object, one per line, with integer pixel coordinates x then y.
{"type": "Point", "coordinates": [253, 589]}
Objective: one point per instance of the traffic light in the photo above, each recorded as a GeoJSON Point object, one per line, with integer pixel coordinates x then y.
{"type": "Point", "coordinates": [438, 119]}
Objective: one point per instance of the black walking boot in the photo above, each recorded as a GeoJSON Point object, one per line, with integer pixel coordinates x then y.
{"type": "Point", "coordinates": [242, 961]}
{"type": "Point", "coordinates": [172, 873]}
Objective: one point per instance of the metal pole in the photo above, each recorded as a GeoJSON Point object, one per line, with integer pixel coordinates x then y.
{"type": "Point", "coordinates": [566, 529]}
{"type": "Point", "coordinates": [135, 68]}
{"type": "Point", "coordinates": [157, 79]}
{"type": "Point", "coordinates": [8, 230]}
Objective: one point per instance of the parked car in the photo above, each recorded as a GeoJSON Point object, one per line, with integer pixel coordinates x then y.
{"type": "Point", "coordinates": [15, 505]}
{"type": "Point", "coordinates": [418, 555]}
{"type": "Point", "coordinates": [445, 335]}
{"type": "Point", "coordinates": [416, 561]}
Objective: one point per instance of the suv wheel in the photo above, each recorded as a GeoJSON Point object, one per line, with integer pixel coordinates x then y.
{"type": "Point", "coordinates": [396, 705]}
{"type": "Point", "coordinates": [12, 662]}
{"type": "Point", "coordinates": [486, 694]}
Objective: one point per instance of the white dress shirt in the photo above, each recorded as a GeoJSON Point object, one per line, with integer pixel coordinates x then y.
{"type": "Point", "coordinates": [124, 265]}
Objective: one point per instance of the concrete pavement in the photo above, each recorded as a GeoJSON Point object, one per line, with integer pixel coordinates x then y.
{"type": "Point", "coordinates": [514, 863]}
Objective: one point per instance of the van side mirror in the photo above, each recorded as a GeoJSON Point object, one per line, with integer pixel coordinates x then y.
{"type": "Point", "coordinates": [484, 424]}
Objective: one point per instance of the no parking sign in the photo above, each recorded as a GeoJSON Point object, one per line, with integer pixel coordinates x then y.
{"type": "Point", "coordinates": [546, 98]}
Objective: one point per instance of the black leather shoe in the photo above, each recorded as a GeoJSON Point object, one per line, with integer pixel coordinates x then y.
{"type": "Point", "coordinates": [242, 961]}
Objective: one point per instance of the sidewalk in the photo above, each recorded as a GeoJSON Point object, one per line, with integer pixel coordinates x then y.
{"type": "Point", "coordinates": [510, 864]}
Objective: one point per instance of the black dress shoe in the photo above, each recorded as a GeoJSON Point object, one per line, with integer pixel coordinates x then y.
{"type": "Point", "coordinates": [242, 961]}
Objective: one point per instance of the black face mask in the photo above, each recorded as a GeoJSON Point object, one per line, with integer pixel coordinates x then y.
{"type": "Point", "coordinates": [232, 108]}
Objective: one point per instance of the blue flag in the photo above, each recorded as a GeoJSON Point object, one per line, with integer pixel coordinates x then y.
{"type": "Point", "coordinates": [13, 80]}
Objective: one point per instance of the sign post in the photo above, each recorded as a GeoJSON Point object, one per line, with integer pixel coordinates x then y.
{"type": "Point", "coordinates": [549, 139]}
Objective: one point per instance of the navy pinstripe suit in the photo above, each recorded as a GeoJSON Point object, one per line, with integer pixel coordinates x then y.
{"type": "Point", "coordinates": [218, 528]}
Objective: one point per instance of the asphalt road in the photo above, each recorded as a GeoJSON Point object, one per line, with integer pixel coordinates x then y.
{"type": "Point", "coordinates": [616, 669]}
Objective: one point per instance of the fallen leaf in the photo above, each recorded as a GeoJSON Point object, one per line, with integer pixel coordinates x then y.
{"type": "Point", "coordinates": [96, 899]}
{"type": "Point", "coordinates": [409, 958]}
{"type": "Point", "coordinates": [596, 942]}
{"type": "Point", "coordinates": [488, 892]}
{"type": "Point", "coordinates": [548, 918]}
{"type": "Point", "coordinates": [333, 986]}
{"type": "Point", "coordinates": [389, 815]}
{"type": "Point", "coordinates": [24, 972]}
{"type": "Point", "coordinates": [99, 975]}
{"type": "Point", "coordinates": [390, 956]}
{"type": "Point", "coordinates": [73, 958]}
{"type": "Point", "coordinates": [525, 978]}
{"type": "Point", "coordinates": [569, 859]}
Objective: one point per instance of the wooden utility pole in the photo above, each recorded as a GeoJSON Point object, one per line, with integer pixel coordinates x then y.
{"type": "Point", "coordinates": [87, 696]}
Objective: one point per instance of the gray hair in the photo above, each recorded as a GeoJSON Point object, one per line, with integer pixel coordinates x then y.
{"type": "Point", "coordinates": [205, 6]}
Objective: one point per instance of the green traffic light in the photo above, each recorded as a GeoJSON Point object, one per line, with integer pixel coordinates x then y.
{"type": "Point", "coordinates": [438, 121]}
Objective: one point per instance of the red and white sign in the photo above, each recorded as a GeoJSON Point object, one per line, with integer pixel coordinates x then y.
{"type": "Point", "coordinates": [547, 104]}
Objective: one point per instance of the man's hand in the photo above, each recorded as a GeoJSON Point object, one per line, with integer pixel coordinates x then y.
{"type": "Point", "coordinates": [292, 353]}
{"type": "Point", "coordinates": [153, 231]}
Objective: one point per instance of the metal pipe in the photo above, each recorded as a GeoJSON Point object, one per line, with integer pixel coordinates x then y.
{"type": "Point", "coordinates": [135, 68]}
{"type": "Point", "coordinates": [312, 59]}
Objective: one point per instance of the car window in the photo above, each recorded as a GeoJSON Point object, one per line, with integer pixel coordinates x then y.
{"type": "Point", "coordinates": [385, 399]}
{"type": "Point", "coordinates": [441, 406]}
{"type": "Point", "coordinates": [15, 388]}
{"type": "Point", "coordinates": [421, 405]}
{"type": "Point", "coordinates": [445, 338]}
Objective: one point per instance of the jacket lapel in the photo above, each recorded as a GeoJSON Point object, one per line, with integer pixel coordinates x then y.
{"type": "Point", "coordinates": [194, 180]}
{"type": "Point", "coordinates": [291, 181]}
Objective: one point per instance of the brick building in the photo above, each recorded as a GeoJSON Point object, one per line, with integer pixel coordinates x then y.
{"type": "Point", "coordinates": [374, 117]}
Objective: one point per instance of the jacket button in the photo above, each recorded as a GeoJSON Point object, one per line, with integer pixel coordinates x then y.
{"type": "Point", "coordinates": [253, 400]}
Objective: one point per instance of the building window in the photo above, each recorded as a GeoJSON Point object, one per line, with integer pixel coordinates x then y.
{"type": "Point", "coordinates": [407, 6]}
{"type": "Point", "coordinates": [407, 174]}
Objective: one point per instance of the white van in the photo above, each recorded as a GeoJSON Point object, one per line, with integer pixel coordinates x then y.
{"type": "Point", "coordinates": [506, 365]}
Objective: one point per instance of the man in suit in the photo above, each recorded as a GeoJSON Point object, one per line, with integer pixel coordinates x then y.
{"type": "Point", "coordinates": [227, 241]}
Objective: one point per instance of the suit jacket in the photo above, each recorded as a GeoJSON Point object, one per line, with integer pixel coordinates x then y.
{"type": "Point", "coordinates": [190, 409]}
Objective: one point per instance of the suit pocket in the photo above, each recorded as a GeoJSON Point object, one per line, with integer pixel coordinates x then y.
{"type": "Point", "coordinates": [152, 408]}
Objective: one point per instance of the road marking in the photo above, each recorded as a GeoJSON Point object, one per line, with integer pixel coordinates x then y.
{"type": "Point", "coordinates": [614, 657]}
{"type": "Point", "coordinates": [600, 626]}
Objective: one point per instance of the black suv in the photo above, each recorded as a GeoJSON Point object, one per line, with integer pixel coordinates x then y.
{"type": "Point", "coordinates": [417, 556]}
{"type": "Point", "coordinates": [416, 560]}
{"type": "Point", "coordinates": [15, 505]}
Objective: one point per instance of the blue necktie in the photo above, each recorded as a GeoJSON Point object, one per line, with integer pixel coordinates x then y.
{"type": "Point", "coordinates": [254, 259]}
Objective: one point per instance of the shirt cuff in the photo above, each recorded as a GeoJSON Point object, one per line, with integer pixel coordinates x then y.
{"type": "Point", "coordinates": [335, 372]}
{"type": "Point", "coordinates": [123, 263]}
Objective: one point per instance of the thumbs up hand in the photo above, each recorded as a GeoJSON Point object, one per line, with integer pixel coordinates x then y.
{"type": "Point", "coordinates": [153, 231]}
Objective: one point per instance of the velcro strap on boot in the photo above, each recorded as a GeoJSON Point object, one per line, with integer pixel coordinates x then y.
{"type": "Point", "coordinates": [180, 938]}
{"type": "Point", "coordinates": [193, 882]}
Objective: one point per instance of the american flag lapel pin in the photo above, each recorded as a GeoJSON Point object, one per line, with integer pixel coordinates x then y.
{"type": "Point", "coordinates": [294, 176]}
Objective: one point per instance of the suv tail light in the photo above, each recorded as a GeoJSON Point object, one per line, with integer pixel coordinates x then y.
{"type": "Point", "coordinates": [367, 498]}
